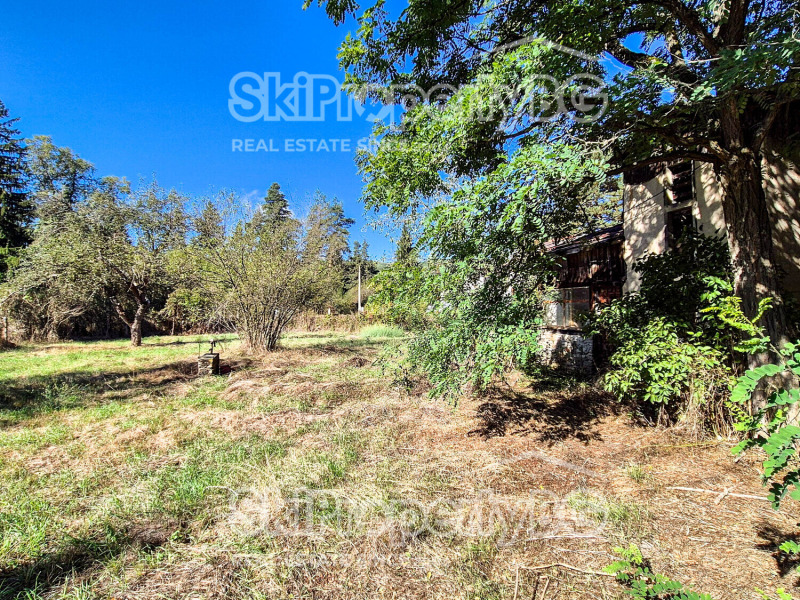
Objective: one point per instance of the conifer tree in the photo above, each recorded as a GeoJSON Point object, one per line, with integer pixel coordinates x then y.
{"type": "Point", "coordinates": [16, 208]}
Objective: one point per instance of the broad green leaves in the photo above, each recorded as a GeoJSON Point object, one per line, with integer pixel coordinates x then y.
{"type": "Point", "coordinates": [769, 427]}
{"type": "Point", "coordinates": [633, 571]}
{"type": "Point", "coordinates": [477, 299]}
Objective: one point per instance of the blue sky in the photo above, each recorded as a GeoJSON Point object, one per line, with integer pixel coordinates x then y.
{"type": "Point", "coordinates": [142, 88]}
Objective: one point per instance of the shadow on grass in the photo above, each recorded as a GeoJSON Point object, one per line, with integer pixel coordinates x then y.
{"type": "Point", "coordinates": [560, 413]}
{"type": "Point", "coordinates": [45, 574]}
{"type": "Point", "coordinates": [772, 538]}
{"type": "Point", "coordinates": [27, 397]}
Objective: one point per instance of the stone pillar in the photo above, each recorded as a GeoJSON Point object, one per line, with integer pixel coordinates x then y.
{"type": "Point", "coordinates": [208, 364]}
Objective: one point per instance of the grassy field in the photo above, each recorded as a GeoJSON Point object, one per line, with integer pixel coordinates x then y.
{"type": "Point", "coordinates": [308, 474]}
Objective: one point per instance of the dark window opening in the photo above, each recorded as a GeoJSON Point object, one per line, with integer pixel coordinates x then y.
{"type": "Point", "coordinates": [682, 188]}
{"type": "Point", "coordinates": [678, 223]}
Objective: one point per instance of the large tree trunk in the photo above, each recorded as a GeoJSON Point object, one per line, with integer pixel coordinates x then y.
{"type": "Point", "coordinates": [136, 325]}
{"type": "Point", "coordinates": [750, 236]}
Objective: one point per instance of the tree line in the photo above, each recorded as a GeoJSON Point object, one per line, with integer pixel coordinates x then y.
{"type": "Point", "coordinates": [88, 256]}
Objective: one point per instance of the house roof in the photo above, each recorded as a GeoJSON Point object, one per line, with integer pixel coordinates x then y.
{"type": "Point", "coordinates": [576, 242]}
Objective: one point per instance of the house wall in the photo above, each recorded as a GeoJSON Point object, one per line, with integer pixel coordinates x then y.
{"type": "Point", "coordinates": [643, 224]}
{"type": "Point", "coordinates": [645, 216]}
{"type": "Point", "coordinates": [783, 199]}
{"type": "Point", "coordinates": [708, 208]}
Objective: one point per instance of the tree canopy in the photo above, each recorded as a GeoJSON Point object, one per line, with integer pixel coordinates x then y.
{"type": "Point", "coordinates": [106, 258]}
{"type": "Point", "coordinates": [703, 80]}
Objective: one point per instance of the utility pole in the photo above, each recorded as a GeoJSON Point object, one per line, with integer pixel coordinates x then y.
{"type": "Point", "coordinates": [359, 289]}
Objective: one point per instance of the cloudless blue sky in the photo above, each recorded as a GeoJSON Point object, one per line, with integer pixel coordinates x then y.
{"type": "Point", "coordinates": [141, 88]}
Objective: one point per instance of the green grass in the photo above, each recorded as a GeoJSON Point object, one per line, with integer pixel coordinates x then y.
{"type": "Point", "coordinates": [382, 331]}
{"type": "Point", "coordinates": [101, 357]}
{"type": "Point", "coordinates": [627, 518]}
{"type": "Point", "coordinates": [639, 473]}
{"type": "Point", "coordinates": [476, 566]}
{"type": "Point", "coordinates": [97, 438]}
{"type": "Point", "coordinates": [105, 448]}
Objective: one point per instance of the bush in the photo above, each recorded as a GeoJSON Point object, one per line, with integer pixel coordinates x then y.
{"type": "Point", "coordinates": [677, 342]}
{"type": "Point", "coordinates": [657, 367]}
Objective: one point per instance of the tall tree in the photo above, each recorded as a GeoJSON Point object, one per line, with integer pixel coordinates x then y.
{"type": "Point", "coordinates": [273, 212]}
{"type": "Point", "coordinates": [329, 230]}
{"type": "Point", "coordinates": [276, 203]}
{"type": "Point", "coordinates": [208, 225]}
{"type": "Point", "coordinates": [57, 284]}
{"type": "Point", "coordinates": [359, 261]}
{"type": "Point", "coordinates": [60, 178]}
{"type": "Point", "coordinates": [700, 80]}
{"type": "Point", "coordinates": [404, 254]}
{"type": "Point", "coordinates": [16, 209]}
{"type": "Point", "coordinates": [132, 236]}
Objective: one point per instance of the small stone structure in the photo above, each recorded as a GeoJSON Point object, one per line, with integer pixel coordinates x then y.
{"type": "Point", "coordinates": [208, 364]}
{"type": "Point", "coordinates": [567, 350]}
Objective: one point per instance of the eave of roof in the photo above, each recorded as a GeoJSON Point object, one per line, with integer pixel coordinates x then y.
{"type": "Point", "coordinates": [601, 236]}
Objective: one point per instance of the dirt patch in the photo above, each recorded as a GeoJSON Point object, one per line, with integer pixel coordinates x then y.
{"type": "Point", "coordinates": [152, 534]}
{"type": "Point", "coordinates": [356, 361]}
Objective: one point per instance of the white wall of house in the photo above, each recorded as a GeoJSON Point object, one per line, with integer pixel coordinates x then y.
{"type": "Point", "coordinates": [643, 223]}
{"type": "Point", "coordinates": [783, 200]}
{"type": "Point", "coordinates": [708, 208]}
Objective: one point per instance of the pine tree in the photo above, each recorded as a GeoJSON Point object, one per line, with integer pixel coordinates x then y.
{"type": "Point", "coordinates": [276, 204]}
{"type": "Point", "coordinates": [359, 258]}
{"type": "Point", "coordinates": [405, 247]}
{"type": "Point", "coordinates": [329, 229]}
{"type": "Point", "coordinates": [209, 227]}
{"type": "Point", "coordinates": [274, 210]}
{"type": "Point", "coordinates": [16, 208]}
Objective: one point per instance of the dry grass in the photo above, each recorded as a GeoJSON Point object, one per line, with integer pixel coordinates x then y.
{"type": "Point", "coordinates": [304, 474]}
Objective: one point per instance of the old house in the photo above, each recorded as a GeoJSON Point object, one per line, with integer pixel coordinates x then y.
{"type": "Point", "coordinates": [659, 203]}
{"type": "Point", "coordinates": [592, 273]}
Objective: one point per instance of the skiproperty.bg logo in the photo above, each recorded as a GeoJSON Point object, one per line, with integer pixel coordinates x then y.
{"type": "Point", "coordinates": [306, 97]}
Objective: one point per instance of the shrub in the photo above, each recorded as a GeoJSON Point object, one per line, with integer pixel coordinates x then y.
{"type": "Point", "coordinates": [633, 571]}
{"type": "Point", "coordinates": [658, 366]}
{"type": "Point", "coordinates": [770, 427]}
{"type": "Point", "coordinates": [678, 341]}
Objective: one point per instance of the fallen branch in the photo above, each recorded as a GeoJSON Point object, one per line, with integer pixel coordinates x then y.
{"type": "Point", "coordinates": [569, 567]}
{"type": "Point", "coordinates": [690, 445]}
{"type": "Point", "coordinates": [565, 537]}
{"type": "Point", "coordinates": [516, 584]}
{"type": "Point", "coordinates": [720, 495]}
